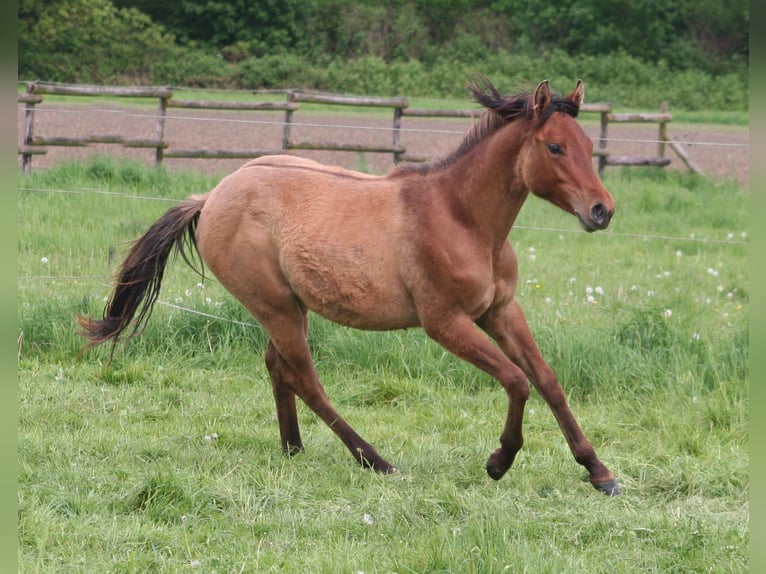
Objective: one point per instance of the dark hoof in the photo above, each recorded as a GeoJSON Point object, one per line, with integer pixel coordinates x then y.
{"type": "Point", "coordinates": [293, 449]}
{"type": "Point", "coordinates": [609, 487]}
{"type": "Point", "coordinates": [493, 471]}
{"type": "Point", "coordinates": [378, 465]}
{"type": "Point", "coordinates": [388, 469]}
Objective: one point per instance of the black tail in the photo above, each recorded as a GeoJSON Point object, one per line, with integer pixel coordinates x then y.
{"type": "Point", "coordinates": [140, 276]}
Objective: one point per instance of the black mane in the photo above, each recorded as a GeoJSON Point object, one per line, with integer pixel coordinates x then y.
{"type": "Point", "coordinates": [500, 110]}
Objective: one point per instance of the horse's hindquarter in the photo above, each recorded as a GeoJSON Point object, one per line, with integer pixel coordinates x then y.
{"type": "Point", "coordinates": [330, 237]}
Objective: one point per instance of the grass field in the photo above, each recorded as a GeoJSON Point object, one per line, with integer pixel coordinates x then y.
{"type": "Point", "coordinates": [167, 458]}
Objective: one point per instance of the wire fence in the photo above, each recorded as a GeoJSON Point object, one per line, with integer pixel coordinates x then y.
{"type": "Point", "coordinates": [334, 138]}
{"type": "Point", "coordinates": [343, 126]}
{"type": "Point", "coordinates": [131, 196]}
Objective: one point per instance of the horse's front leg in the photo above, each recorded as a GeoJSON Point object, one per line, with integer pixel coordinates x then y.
{"type": "Point", "coordinates": [509, 328]}
{"type": "Point", "coordinates": [462, 337]}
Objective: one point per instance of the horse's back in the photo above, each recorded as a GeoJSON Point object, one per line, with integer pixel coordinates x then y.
{"type": "Point", "coordinates": [335, 238]}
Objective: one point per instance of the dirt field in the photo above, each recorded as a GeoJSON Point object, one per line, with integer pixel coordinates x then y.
{"type": "Point", "coordinates": [721, 152]}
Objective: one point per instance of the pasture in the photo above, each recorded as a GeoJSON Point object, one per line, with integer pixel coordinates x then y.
{"type": "Point", "coordinates": [167, 457]}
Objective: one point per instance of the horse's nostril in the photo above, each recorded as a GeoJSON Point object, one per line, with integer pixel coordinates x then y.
{"type": "Point", "coordinates": [599, 214]}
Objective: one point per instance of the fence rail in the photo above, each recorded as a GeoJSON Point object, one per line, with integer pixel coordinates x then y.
{"type": "Point", "coordinates": [33, 144]}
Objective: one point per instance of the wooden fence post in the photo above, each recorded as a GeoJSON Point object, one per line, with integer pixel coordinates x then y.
{"type": "Point", "coordinates": [663, 135]}
{"type": "Point", "coordinates": [160, 130]}
{"type": "Point", "coordinates": [395, 141]}
{"type": "Point", "coordinates": [288, 120]}
{"type": "Point", "coordinates": [602, 143]}
{"type": "Point", "coordinates": [29, 118]}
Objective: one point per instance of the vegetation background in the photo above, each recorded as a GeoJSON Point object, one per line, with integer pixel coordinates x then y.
{"type": "Point", "coordinates": [695, 53]}
{"type": "Point", "coordinates": [166, 459]}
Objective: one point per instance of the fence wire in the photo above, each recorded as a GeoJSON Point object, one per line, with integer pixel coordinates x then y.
{"type": "Point", "coordinates": [293, 123]}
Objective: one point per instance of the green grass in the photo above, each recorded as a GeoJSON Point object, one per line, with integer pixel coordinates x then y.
{"type": "Point", "coordinates": [167, 459]}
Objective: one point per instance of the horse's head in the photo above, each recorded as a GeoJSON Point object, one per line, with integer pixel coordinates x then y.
{"type": "Point", "coordinates": [555, 161]}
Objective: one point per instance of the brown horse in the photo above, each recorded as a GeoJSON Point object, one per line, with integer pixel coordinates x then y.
{"type": "Point", "coordinates": [421, 246]}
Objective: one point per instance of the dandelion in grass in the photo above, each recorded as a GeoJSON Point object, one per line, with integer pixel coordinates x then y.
{"type": "Point", "coordinates": [44, 260]}
{"type": "Point", "coordinates": [367, 519]}
{"type": "Point", "coordinates": [667, 313]}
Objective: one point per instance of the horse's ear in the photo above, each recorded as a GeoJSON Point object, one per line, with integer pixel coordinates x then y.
{"type": "Point", "coordinates": [542, 97]}
{"type": "Point", "coordinates": [578, 94]}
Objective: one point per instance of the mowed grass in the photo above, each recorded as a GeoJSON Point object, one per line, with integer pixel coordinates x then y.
{"type": "Point", "coordinates": [167, 458]}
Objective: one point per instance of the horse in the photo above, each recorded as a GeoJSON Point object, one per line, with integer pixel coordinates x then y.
{"type": "Point", "coordinates": [425, 245]}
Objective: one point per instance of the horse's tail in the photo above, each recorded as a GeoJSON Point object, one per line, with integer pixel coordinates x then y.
{"type": "Point", "coordinates": [140, 276]}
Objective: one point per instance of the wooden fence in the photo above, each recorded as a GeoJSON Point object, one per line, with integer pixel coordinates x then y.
{"type": "Point", "coordinates": [34, 144]}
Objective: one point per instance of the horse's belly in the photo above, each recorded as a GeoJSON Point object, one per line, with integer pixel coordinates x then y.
{"type": "Point", "coordinates": [353, 293]}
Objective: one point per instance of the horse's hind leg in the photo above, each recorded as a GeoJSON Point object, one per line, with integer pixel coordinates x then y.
{"type": "Point", "coordinates": [282, 379]}
{"type": "Point", "coordinates": [512, 333]}
{"type": "Point", "coordinates": [289, 358]}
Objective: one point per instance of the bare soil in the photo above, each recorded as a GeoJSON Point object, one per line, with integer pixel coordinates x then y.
{"type": "Point", "coordinates": [718, 151]}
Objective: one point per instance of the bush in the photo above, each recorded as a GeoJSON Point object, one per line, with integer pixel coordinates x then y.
{"type": "Point", "coordinates": [91, 41]}
{"type": "Point", "coordinates": [152, 57]}
{"type": "Point", "coordinates": [193, 68]}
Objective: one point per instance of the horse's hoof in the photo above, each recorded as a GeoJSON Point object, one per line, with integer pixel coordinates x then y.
{"type": "Point", "coordinates": [380, 466]}
{"type": "Point", "coordinates": [609, 487]}
{"type": "Point", "coordinates": [292, 449]}
{"type": "Point", "coordinates": [493, 471]}
{"type": "Point", "coordinates": [387, 469]}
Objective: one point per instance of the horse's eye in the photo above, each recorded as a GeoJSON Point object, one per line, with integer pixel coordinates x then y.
{"type": "Point", "coordinates": [555, 148]}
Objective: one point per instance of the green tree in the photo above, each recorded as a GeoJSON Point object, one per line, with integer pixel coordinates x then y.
{"type": "Point", "coordinates": [88, 41]}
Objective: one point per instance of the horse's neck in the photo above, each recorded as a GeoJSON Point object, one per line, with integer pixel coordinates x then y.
{"type": "Point", "coordinates": [486, 184]}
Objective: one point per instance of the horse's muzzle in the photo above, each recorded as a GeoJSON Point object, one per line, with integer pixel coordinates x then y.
{"type": "Point", "coordinates": [598, 217]}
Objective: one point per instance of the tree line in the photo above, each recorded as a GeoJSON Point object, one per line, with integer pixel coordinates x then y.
{"type": "Point", "coordinates": [414, 47]}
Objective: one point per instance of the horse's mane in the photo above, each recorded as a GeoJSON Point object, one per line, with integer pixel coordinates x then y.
{"type": "Point", "coordinates": [500, 111]}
